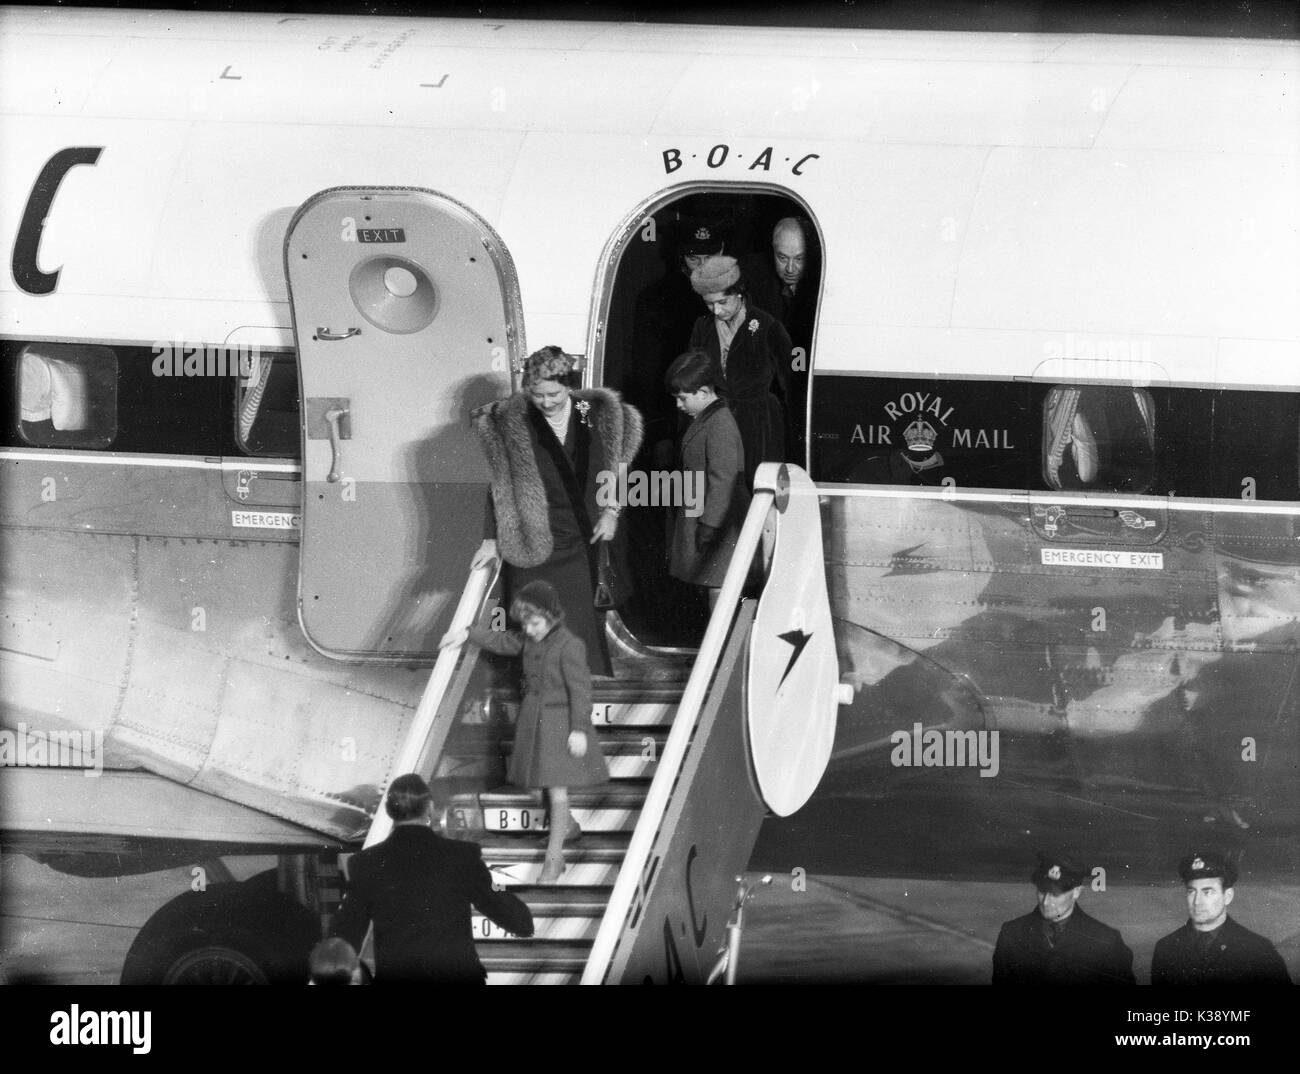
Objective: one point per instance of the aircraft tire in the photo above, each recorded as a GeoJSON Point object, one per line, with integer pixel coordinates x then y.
{"type": "Point", "coordinates": [228, 934]}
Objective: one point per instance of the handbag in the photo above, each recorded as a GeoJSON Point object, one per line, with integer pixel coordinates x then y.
{"type": "Point", "coordinates": [609, 588]}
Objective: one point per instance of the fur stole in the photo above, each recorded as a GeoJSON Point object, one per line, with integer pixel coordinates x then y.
{"type": "Point", "coordinates": [523, 529]}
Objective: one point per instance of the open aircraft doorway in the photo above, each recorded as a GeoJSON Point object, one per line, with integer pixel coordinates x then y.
{"type": "Point", "coordinates": [646, 314]}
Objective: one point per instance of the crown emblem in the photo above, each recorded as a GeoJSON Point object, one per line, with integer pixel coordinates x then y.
{"type": "Point", "coordinates": [920, 435]}
{"type": "Point", "coordinates": [1198, 863]}
{"type": "Point", "coordinates": [1054, 873]}
{"type": "Point", "coordinates": [703, 234]}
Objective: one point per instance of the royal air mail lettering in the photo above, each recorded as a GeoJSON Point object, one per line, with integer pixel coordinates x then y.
{"type": "Point", "coordinates": [982, 438]}
{"type": "Point", "coordinates": [919, 403]}
{"type": "Point", "coordinates": [871, 434]}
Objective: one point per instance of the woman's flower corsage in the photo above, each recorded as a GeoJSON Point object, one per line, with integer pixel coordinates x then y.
{"type": "Point", "coordinates": [584, 408]}
{"type": "Point", "coordinates": [753, 325]}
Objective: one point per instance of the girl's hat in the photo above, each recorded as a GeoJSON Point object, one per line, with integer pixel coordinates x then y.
{"type": "Point", "coordinates": [542, 596]}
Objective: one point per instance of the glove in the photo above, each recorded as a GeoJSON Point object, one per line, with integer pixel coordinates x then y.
{"type": "Point", "coordinates": [705, 536]}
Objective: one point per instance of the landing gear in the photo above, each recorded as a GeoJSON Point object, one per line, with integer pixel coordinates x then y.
{"type": "Point", "coordinates": [230, 934]}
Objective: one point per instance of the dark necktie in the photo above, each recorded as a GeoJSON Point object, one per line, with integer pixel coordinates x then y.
{"type": "Point", "coordinates": [1052, 932]}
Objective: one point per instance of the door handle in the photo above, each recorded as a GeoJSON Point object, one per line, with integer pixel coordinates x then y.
{"type": "Point", "coordinates": [326, 335]}
{"type": "Point", "coordinates": [333, 416]}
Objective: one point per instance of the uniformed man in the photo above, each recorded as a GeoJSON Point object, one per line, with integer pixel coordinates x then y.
{"type": "Point", "coordinates": [1057, 943]}
{"type": "Point", "coordinates": [665, 313]}
{"type": "Point", "coordinates": [1212, 948]}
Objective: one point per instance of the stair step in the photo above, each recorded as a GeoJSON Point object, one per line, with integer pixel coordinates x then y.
{"type": "Point", "coordinates": [474, 760]}
{"type": "Point", "coordinates": [610, 691]}
{"type": "Point", "coordinates": [521, 813]}
{"type": "Point", "coordinates": [513, 873]}
{"type": "Point", "coordinates": [548, 929]}
{"type": "Point", "coordinates": [546, 900]}
{"type": "Point", "coordinates": [601, 796]}
{"type": "Point", "coordinates": [599, 846]}
{"type": "Point", "coordinates": [531, 977]}
{"type": "Point", "coordinates": [522, 956]}
{"type": "Point", "coordinates": [631, 753]}
{"type": "Point", "coordinates": [611, 713]}
{"type": "Point", "coordinates": [519, 822]}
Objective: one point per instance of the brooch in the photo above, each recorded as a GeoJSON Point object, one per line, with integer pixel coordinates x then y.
{"type": "Point", "coordinates": [583, 408]}
{"type": "Point", "coordinates": [753, 325]}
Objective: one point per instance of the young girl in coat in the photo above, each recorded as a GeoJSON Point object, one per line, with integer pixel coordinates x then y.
{"type": "Point", "coordinates": [555, 743]}
{"type": "Point", "coordinates": [712, 456]}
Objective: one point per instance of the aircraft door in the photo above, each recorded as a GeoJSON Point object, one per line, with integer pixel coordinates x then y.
{"type": "Point", "coordinates": [407, 316]}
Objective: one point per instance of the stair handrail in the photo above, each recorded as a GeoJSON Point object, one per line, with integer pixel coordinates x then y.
{"type": "Point", "coordinates": [671, 758]}
{"type": "Point", "coordinates": [424, 723]}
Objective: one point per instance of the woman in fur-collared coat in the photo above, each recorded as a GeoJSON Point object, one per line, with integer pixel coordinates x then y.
{"type": "Point", "coordinates": [547, 448]}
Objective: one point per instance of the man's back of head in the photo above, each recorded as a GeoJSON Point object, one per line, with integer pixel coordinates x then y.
{"type": "Point", "coordinates": [408, 799]}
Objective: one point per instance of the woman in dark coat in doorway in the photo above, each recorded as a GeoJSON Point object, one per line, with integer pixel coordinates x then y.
{"type": "Point", "coordinates": [547, 447]}
{"type": "Point", "coordinates": [753, 351]}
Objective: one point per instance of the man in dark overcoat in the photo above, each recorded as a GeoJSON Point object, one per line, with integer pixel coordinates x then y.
{"type": "Point", "coordinates": [1211, 948]}
{"type": "Point", "coordinates": [1057, 943]}
{"type": "Point", "coordinates": [784, 282]}
{"type": "Point", "coordinates": [417, 888]}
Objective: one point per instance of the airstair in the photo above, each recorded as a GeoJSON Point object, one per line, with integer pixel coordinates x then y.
{"type": "Point", "coordinates": [647, 888]}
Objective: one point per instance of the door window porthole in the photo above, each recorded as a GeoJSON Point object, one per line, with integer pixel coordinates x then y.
{"type": "Point", "coordinates": [67, 395]}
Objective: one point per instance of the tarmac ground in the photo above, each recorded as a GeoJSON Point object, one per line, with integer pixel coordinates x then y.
{"type": "Point", "coordinates": [61, 929]}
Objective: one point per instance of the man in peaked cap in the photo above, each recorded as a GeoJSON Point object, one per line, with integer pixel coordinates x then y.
{"type": "Point", "coordinates": [1057, 943]}
{"type": "Point", "coordinates": [1211, 948]}
{"type": "Point", "coordinates": [664, 314]}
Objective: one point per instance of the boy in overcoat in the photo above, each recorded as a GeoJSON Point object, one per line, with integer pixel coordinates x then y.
{"type": "Point", "coordinates": [713, 464]}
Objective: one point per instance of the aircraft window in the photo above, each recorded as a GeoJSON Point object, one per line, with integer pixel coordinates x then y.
{"type": "Point", "coordinates": [67, 395]}
{"type": "Point", "coordinates": [267, 407]}
{"type": "Point", "coordinates": [1098, 438]}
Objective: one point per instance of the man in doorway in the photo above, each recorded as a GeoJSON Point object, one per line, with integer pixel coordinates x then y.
{"type": "Point", "coordinates": [1211, 948]}
{"type": "Point", "coordinates": [784, 283]}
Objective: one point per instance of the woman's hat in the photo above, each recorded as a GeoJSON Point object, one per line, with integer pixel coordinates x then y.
{"type": "Point", "coordinates": [715, 274]}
